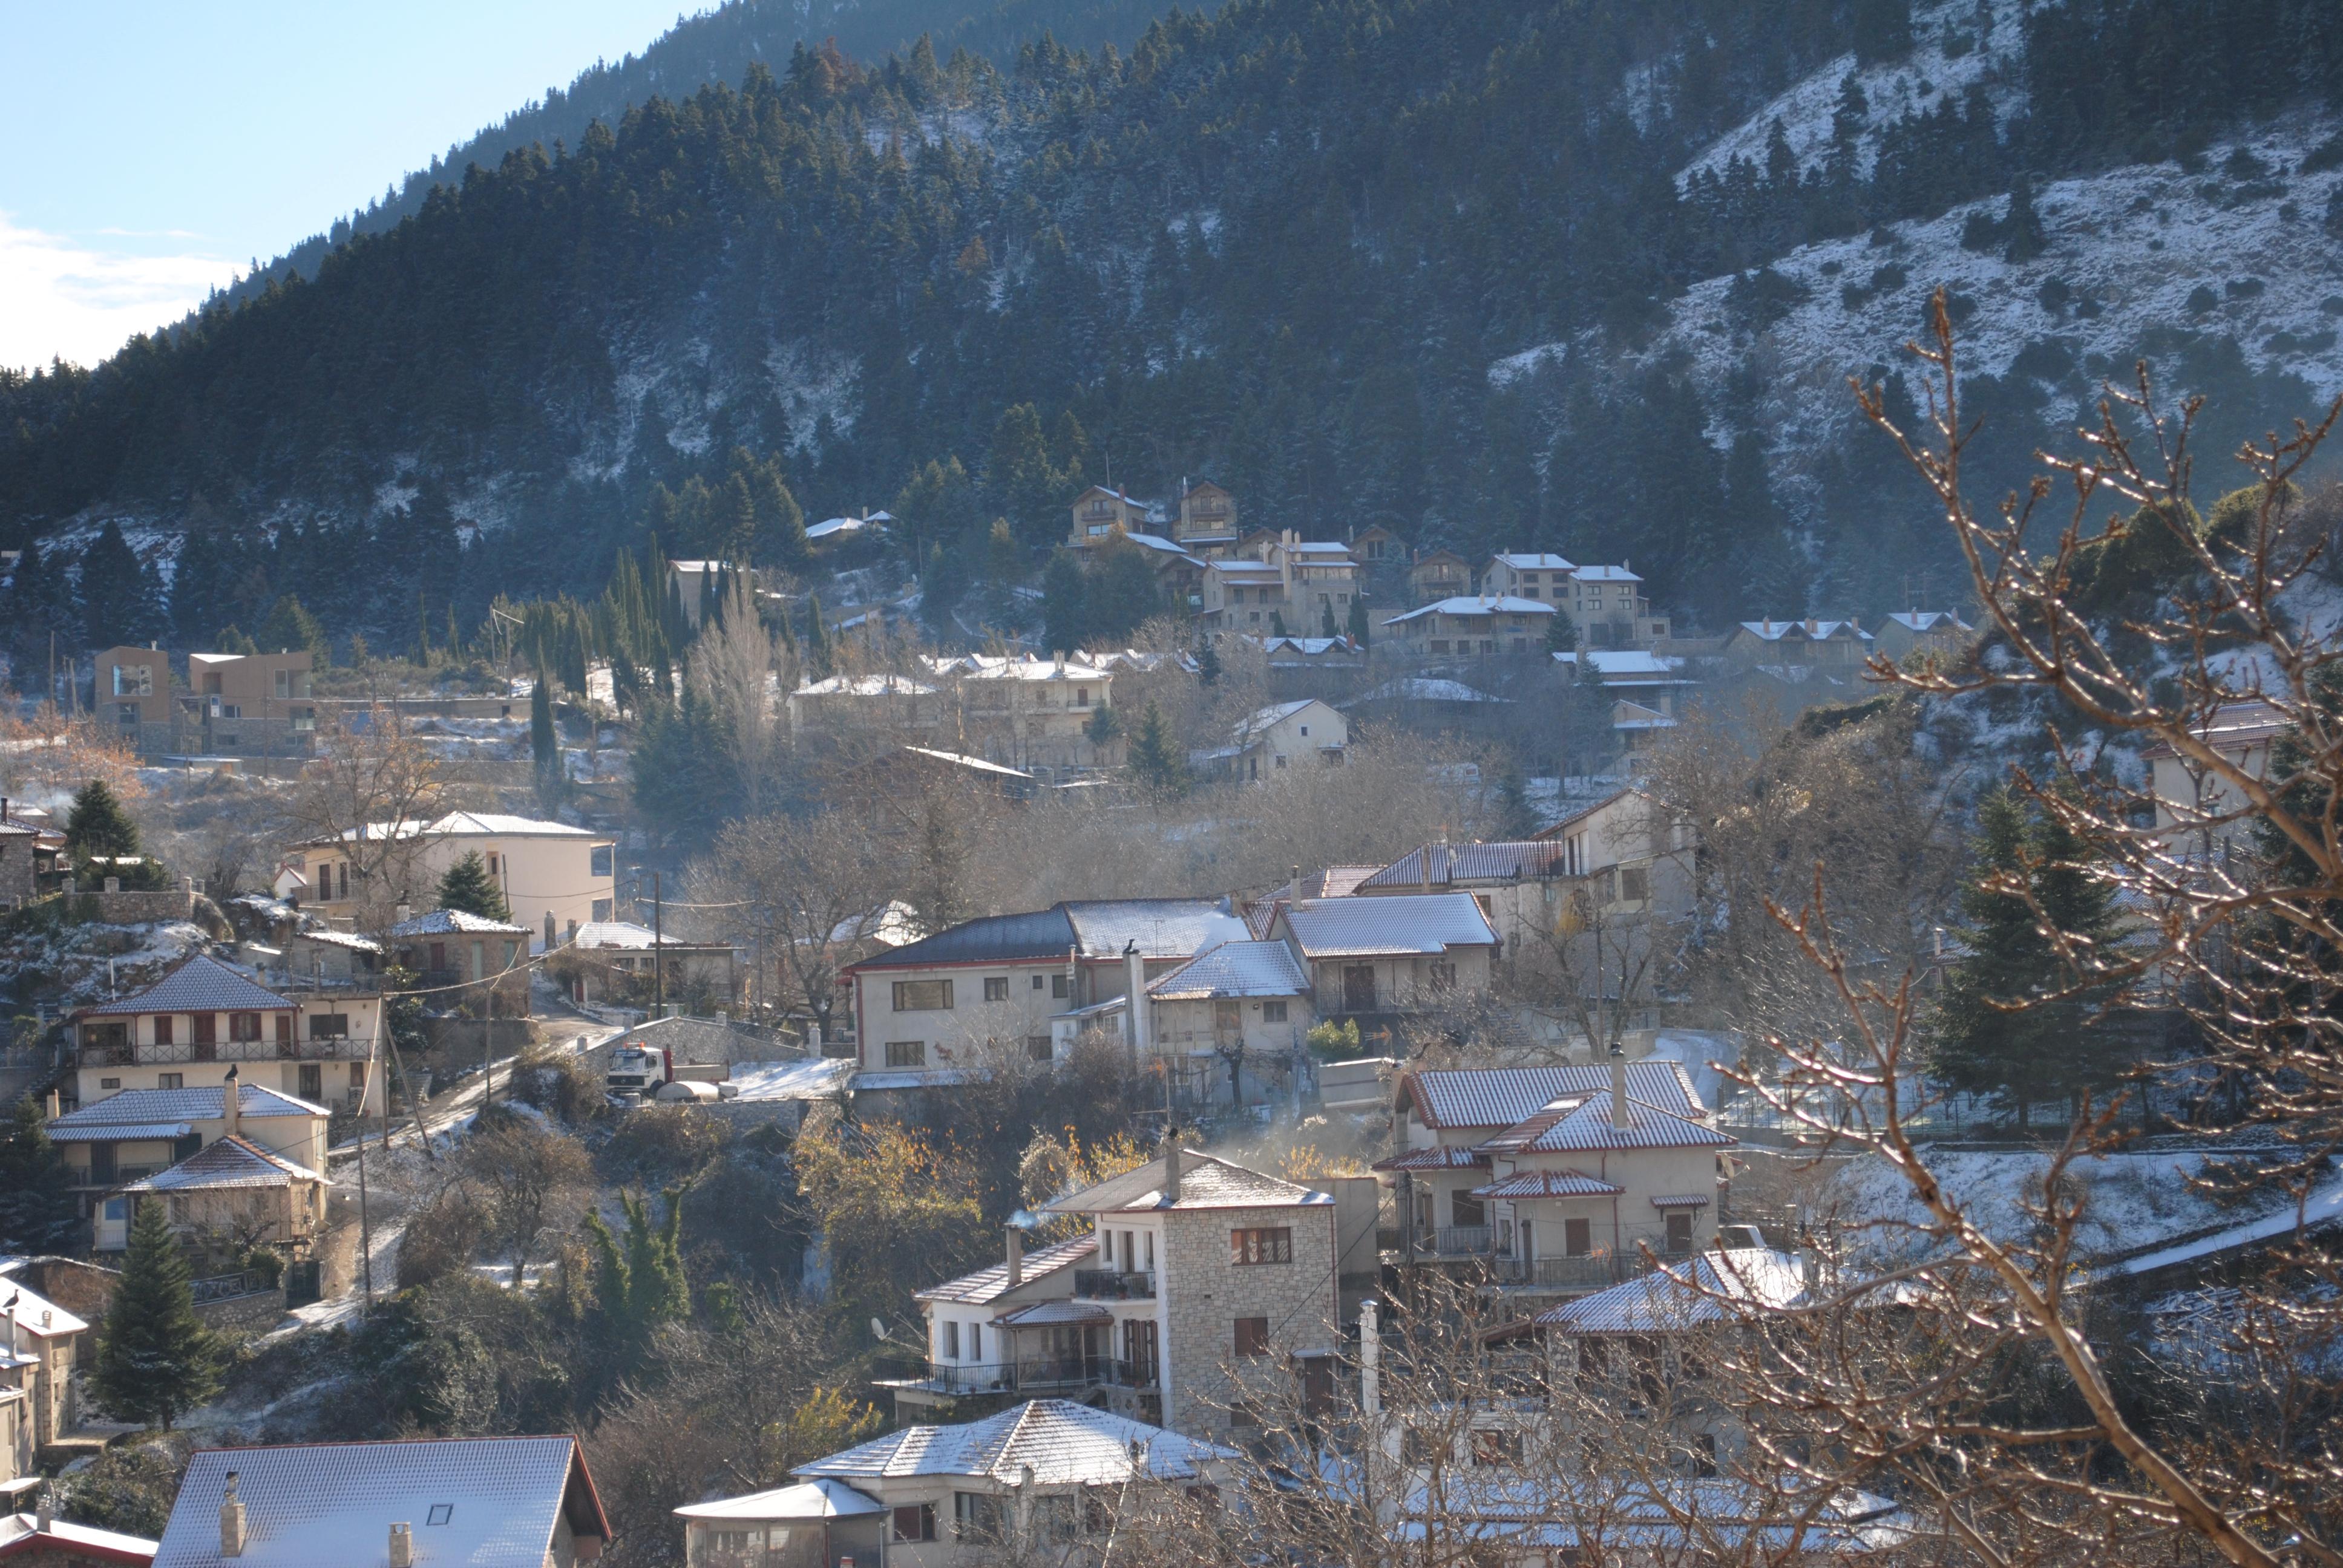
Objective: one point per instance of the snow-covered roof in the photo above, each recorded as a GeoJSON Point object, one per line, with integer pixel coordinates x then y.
{"type": "Point", "coordinates": [1503, 1096]}
{"type": "Point", "coordinates": [1586, 1125]}
{"type": "Point", "coordinates": [1620, 665]}
{"type": "Point", "coordinates": [201, 984]}
{"type": "Point", "coordinates": [1327, 548]}
{"type": "Point", "coordinates": [1206, 1182]}
{"type": "Point", "coordinates": [1308, 647]}
{"type": "Point", "coordinates": [1626, 715]}
{"type": "Point", "coordinates": [114, 1115]}
{"type": "Point", "coordinates": [627, 934]}
{"type": "Point", "coordinates": [1604, 575]}
{"type": "Point", "coordinates": [1397, 923]}
{"type": "Point", "coordinates": [1812, 631]}
{"type": "Point", "coordinates": [1926, 620]}
{"type": "Point", "coordinates": [484, 1502]}
{"type": "Point", "coordinates": [891, 924]}
{"type": "Point", "coordinates": [1436, 865]}
{"type": "Point", "coordinates": [813, 1078]}
{"type": "Point", "coordinates": [1423, 688]}
{"type": "Point", "coordinates": [333, 938]}
{"type": "Point", "coordinates": [992, 1282]}
{"type": "Point", "coordinates": [36, 1314]}
{"type": "Point", "coordinates": [1055, 1314]}
{"type": "Point", "coordinates": [1484, 604]}
{"type": "Point", "coordinates": [230, 1162]}
{"type": "Point", "coordinates": [973, 764]}
{"type": "Point", "coordinates": [454, 922]}
{"type": "Point", "coordinates": [1028, 667]}
{"type": "Point", "coordinates": [1438, 1157]}
{"type": "Point", "coordinates": [1531, 561]}
{"type": "Point", "coordinates": [1234, 969]}
{"type": "Point", "coordinates": [1549, 1184]}
{"type": "Point", "coordinates": [1686, 1294]}
{"type": "Point", "coordinates": [1063, 1444]}
{"type": "Point", "coordinates": [489, 824]}
{"type": "Point", "coordinates": [816, 1499]}
{"type": "Point", "coordinates": [75, 1543]}
{"type": "Point", "coordinates": [864, 686]}
{"type": "Point", "coordinates": [1163, 927]}
{"type": "Point", "coordinates": [1162, 546]}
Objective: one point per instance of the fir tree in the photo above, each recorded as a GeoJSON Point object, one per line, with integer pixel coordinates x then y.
{"type": "Point", "coordinates": [1119, 594]}
{"type": "Point", "coordinates": [1357, 626]}
{"type": "Point", "coordinates": [1277, 624]}
{"type": "Point", "coordinates": [1560, 632]}
{"type": "Point", "coordinates": [1208, 663]}
{"type": "Point", "coordinates": [97, 824]}
{"type": "Point", "coordinates": [1155, 757]}
{"type": "Point", "coordinates": [1065, 603]}
{"type": "Point", "coordinates": [118, 599]}
{"type": "Point", "coordinates": [467, 886]}
{"type": "Point", "coordinates": [36, 1200]}
{"type": "Point", "coordinates": [1003, 565]}
{"type": "Point", "coordinates": [289, 626]}
{"type": "Point", "coordinates": [155, 1360]}
{"type": "Point", "coordinates": [639, 1286]}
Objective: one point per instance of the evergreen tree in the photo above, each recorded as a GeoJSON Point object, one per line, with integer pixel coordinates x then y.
{"type": "Point", "coordinates": [1155, 756]}
{"type": "Point", "coordinates": [1065, 603]}
{"type": "Point", "coordinates": [1560, 632]}
{"type": "Point", "coordinates": [118, 599]}
{"type": "Point", "coordinates": [1326, 626]}
{"type": "Point", "coordinates": [1588, 740]}
{"type": "Point", "coordinates": [290, 628]}
{"type": "Point", "coordinates": [1208, 662]}
{"type": "Point", "coordinates": [36, 1200]}
{"type": "Point", "coordinates": [1003, 565]}
{"type": "Point", "coordinates": [819, 657]}
{"type": "Point", "coordinates": [943, 585]}
{"type": "Point", "coordinates": [1121, 591]}
{"type": "Point", "coordinates": [155, 1360]}
{"type": "Point", "coordinates": [232, 639]}
{"type": "Point", "coordinates": [641, 1285]}
{"type": "Point", "coordinates": [467, 886]}
{"type": "Point", "coordinates": [97, 824]}
{"type": "Point", "coordinates": [543, 743]}
{"type": "Point", "coordinates": [1356, 625]}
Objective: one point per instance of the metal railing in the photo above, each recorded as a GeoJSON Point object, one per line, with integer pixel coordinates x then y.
{"type": "Point", "coordinates": [227, 1287]}
{"type": "Point", "coordinates": [1113, 1285]}
{"type": "Point", "coordinates": [1465, 1241]}
{"type": "Point", "coordinates": [1031, 1374]}
{"type": "Point", "coordinates": [334, 1048]}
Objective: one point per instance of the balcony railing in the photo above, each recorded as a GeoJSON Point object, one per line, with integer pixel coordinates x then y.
{"type": "Point", "coordinates": [1465, 1241]}
{"type": "Point", "coordinates": [1112, 1285]}
{"type": "Point", "coordinates": [1592, 1272]}
{"type": "Point", "coordinates": [1034, 1374]}
{"type": "Point", "coordinates": [338, 1047]}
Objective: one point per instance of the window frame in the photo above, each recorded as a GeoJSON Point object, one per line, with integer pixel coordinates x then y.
{"type": "Point", "coordinates": [1269, 1245]}
{"type": "Point", "coordinates": [906, 992]}
{"type": "Point", "coordinates": [922, 1522]}
{"type": "Point", "coordinates": [1250, 1336]}
{"type": "Point", "coordinates": [996, 987]}
{"type": "Point", "coordinates": [907, 1054]}
{"type": "Point", "coordinates": [1273, 1011]}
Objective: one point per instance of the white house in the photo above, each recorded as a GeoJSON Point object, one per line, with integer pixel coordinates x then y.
{"type": "Point", "coordinates": [1269, 740]}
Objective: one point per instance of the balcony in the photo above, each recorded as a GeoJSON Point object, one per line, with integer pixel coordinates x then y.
{"type": "Point", "coordinates": [1033, 1376]}
{"type": "Point", "coordinates": [1112, 1285]}
{"type": "Point", "coordinates": [339, 1048]}
{"type": "Point", "coordinates": [1465, 1241]}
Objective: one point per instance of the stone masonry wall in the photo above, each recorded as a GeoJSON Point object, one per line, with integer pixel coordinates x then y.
{"type": "Point", "coordinates": [1204, 1295]}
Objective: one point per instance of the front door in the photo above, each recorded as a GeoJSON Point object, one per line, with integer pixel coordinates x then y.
{"type": "Point", "coordinates": [1139, 1342]}
{"type": "Point", "coordinates": [313, 1082]}
{"type": "Point", "coordinates": [1358, 987]}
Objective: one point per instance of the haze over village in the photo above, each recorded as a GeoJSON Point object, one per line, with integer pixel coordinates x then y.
{"type": "Point", "coordinates": [1358, 784]}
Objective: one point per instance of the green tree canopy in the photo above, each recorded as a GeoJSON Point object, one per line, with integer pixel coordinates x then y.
{"type": "Point", "coordinates": [1156, 760]}
{"type": "Point", "coordinates": [156, 1359]}
{"type": "Point", "coordinates": [36, 1200]}
{"type": "Point", "coordinates": [290, 627]}
{"type": "Point", "coordinates": [640, 1284]}
{"type": "Point", "coordinates": [468, 887]}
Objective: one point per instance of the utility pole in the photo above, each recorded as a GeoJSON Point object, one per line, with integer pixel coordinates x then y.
{"type": "Point", "coordinates": [658, 951]}
{"type": "Point", "coordinates": [366, 1230]}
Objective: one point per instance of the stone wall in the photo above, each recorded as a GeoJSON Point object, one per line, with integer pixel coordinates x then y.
{"type": "Point", "coordinates": [253, 1314]}
{"type": "Point", "coordinates": [1204, 1295]}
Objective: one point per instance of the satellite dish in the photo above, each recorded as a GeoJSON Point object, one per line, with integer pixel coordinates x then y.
{"type": "Point", "coordinates": [878, 1328]}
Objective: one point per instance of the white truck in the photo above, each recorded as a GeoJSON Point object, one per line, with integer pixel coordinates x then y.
{"type": "Point", "coordinates": [643, 1071]}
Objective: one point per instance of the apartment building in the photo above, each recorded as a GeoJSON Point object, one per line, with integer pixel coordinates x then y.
{"type": "Point", "coordinates": [1834, 645]}
{"type": "Point", "coordinates": [1280, 579]}
{"type": "Point", "coordinates": [322, 1044]}
{"type": "Point", "coordinates": [1484, 625]}
{"type": "Point", "coordinates": [554, 878]}
{"type": "Point", "coordinates": [239, 705]}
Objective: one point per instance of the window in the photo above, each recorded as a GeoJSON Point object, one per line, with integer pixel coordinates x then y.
{"type": "Point", "coordinates": [284, 690]}
{"type": "Point", "coordinates": [950, 1341]}
{"type": "Point", "coordinates": [170, 1080]}
{"type": "Point", "coordinates": [976, 1341]}
{"type": "Point", "coordinates": [284, 1034]}
{"type": "Point", "coordinates": [1497, 1448]}
{"type": "Point", "coordinates": [1680, 1231]}
{"type": "Point", "coordinates": [1272, 1011]}
{"type": "Point", "coordinates": [916, 1521]}
{"type": "Point", "coordinates": [1577, 1238]}
{"type": "Point", "coordinates": [1444, 975]}
{"type": "Point", "coordinates": [1439, 645]}
{"type": "Point", "coordinates": [1272, 1245]}
{"type": "Point", "coordinates": [1305, 731]}
{"type": "Point", "coordinates": [1466, 1211]}
{"type": "Point", "coordinates": [109, 1084]}
{"type": "Point", "coordinates": [1280, 761]}
{"type": "Point", "coordinates": [975, 1516]}
{"type": "Point", "coordinates": [494, 860]}
{"type": "Point", "coordinates": [600, 865]}
{"type": "Point", "coordinates": [231, 710]}
{"type": "Point", "coordinates": [1037, 1046]}
{"type": "Point", "coordinates": [1058, 986]}
{"type": "Point", "coordinates": [313, 1082]}
{"type": "Point", "coordinates": [244, 1026]}
{"type": "Point", "coordinates": [207, 1028]}
{"type": "Point", "coordinates": [1252, 1336]}
{"type": "Point", "coordinates": [163, 1022]}
{"type": "Point", "coordinates": [996, 987]}
{"type": "Point", "coordinates": [1082, 696]}
{"type": "Point", "coordinates": [1037, 982]}
{"type": "Point", "coordinates": [329, 1026]}
{"type": "Point", "coordinates": [1635, 884]}
{"type": "Point", "coordinates": [923, 995]}
{"type": "Point", "coordinates": [907, 1054]}
{"type": "Point", "coordinates": [131, 681]}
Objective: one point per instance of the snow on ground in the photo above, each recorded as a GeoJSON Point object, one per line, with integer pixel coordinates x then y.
{"type": "Point", "coordinates": [2140, 1206]}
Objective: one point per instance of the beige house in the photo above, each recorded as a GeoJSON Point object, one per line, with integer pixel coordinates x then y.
{"type": "Point", "coordinates": [1438, 574]}
{"type": "Point", "coordinates": [245, 703]}
{"type": "Point", "coordinates": [1473, 626]}
{"type": "Point", "coordinates": [134, 697]}
{"type": "Point", "coordinates": [138, 1132]}
{"type": "Point", "coordinates": [189, 1030]}
{"type": "Point", "coordinates": [1834, 645]}
{"type": "Point", "coordinates": [1526, 574]}
{"type": "Point", "coordinates": [1270, 740]}
{"type": "Point", "coordinates": [1608, 607]}
{"type": "Point", "coordinates": [1372, 956]}
{"type": "Point", "coordinates": [1377, 548]}
{"type": "Point", "coordinates": [1029, 713]}
{"type": "Point", "coordinates": [1283, 579]}
{"type": "Point", "coordinates": [1098, 512]}
{"type": "Point", "coordinates": [1941, 632]}
{"type": "Point", "coordinates": [1231, 1024]}
{"type": "Point", "coordinates": [695, 583]}
{"type": "Point", "coordinates": [1207, 524]}
{"type": "Point", "coordinates": [841, 704]}
{"type": "Point", "coordinates": [1554, 1177]}
{"type": "Point", "coordinates": [2191, 802]}
{"type": "Point", "coordinates": [553, 877]}
{"type": "Point", "coordinates": [232, 1192]}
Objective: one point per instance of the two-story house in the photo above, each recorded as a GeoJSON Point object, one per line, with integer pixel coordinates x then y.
{"type": "Point", "coordinates": [41, 1348]}
{"type": "Point", "coordinates": [1438, 574]}
{"type": "Point", "coordinates": [32, 856]}
{"type": "Point", "coordinates": [1280, 580]}
{"type": "Point", "coordinates": [848, 704]}
{"type": "Point", "coordinates": [138, 1133]}
{"type": "Point", "coordinates": [190, 1028]}
{"type": "Point", "coordinates": [1098, 512]}
{"type": "Point", "coordinates": [1473, 626]}
{"type": "Point", "coordinates": [133, 695]}
{"type": "Point", "coordinates": [1305, 733]}
{"type": "Point", "coordinates": [250, 704]}
{"type": "Point", "coordinates": [1608, 607]}
{"type": "Point", "coordinates": [1227, 1028]}
{"type": "Point", "coordinates": [1651, 680]}
{"type": "Point", "coordinates": [1045, 1482]}
{"type": "Point", "coordinates": [1526, 574]}
{"type": "Point", "coordinates": [1941, 632]}
{"type": "Point", "coordinates": [1564, 1178]}
{"type": "Point", "coordinates": [554, 878]}
{"type": "Point", "coordinates": [1034, 714]}
{"type": "Point", "coordinates": [1207, 524]}
{"type": "Point", "coordinates": [451, 948]}
{"type": "Point", "coordinates": [1838, 646]}
{"type": "Point", "coordinates": [2195, 801]}
{"type": "Point", "coordinates": [1368, 957]}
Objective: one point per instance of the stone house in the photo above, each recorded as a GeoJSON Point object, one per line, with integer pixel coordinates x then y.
{"type": "Point", "coordinates": [1525, 574]}
{"type": "Point", "coordinates": [1098, 512]}
{"type": "Point", "coordinates": [1486, 625]}
{"type": "Point", "coordinates": [1207, 524]}
{"type": "Point", "coordinates": [1279, 579]}
{"type": "Point", "coordinates": [41, 1352]}
{"type": "Point", "coordinates": [1032, 714]}
{"type": "Point", "coordinates": [472, 962]}
{"type": "Point", "coordinates": [1608, 607]}
{"type": "Point", "coordinates": [1377, 548]}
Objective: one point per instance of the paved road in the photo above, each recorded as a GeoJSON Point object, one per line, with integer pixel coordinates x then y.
{"type": "Point", "coordinates": [443, 1111]}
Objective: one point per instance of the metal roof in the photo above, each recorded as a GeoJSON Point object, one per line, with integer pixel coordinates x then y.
{"type": "Point", "coordinates": [990, 1283]}
{"type": "Point", "coordinates": [73, 1544]}
{"type": "Point", "coordinates": [1686, 1294]}
{"type": "Point", "coordinates": [1813, 630]}
{"type": "Point", "coordinates": [1040, 935]}
{"type": "Point", "coordinates": [1206, 1182]}
{"type": "Point", "coordinates": [1163, 927]}
{"type": "Point", "coordinates": [454, 922]}
{"type": "Point", "coordinates": [1064, 1443]}
{"type": "Point", "coordinates": [134, 1106]}
{"type": "Point", "coordinates": [1504, 1097]}
{"type": "Point", "coordinates": [1550, 1184]}
{"type": "Point", "coordinates": [1054, 1314]}
{"type": "Point", "coordinates": [820, 1499]}
{"type": "Point", "coordinates": [1504, 860]}
{"type": "Point", "coordinates": [1498, 604]}
{"type": "Point", "coordinates": [131, 1132]}
{"type": "Point", "coordinates": [1234, 969]}
{"type": "Point", "coordinates": [1396, 923]}
{"type": "Point", "coordinates": [229, 1163]}
{"type": "Point", "coordinates": [495, 1500]}
{"type": "Point", "coordinates": [201, 984]}
{"type": "Point", "coordinates": [1588, 1126]}
{"type": "Point", "coordinates": [1439, 1157]}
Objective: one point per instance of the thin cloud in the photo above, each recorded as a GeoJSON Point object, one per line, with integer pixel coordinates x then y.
{"type": "Point", "coordinates": [60, 299]}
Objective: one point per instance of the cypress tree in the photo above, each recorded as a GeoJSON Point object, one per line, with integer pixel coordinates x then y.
{"type": "Point", "coordinates": [36, 1203]}
{"type": "Point", "coordinates": [818, 654]}
{"type": "Point", "coordinates": [641, 1285]}
{"type": "Point", "coordinates": [468, 887]}
{"type": "Point", "coordinates": [543, 744]}
{"type": "Point", "coordinates": [1357, 627]}
{"type": "Point", "coordinates": [156, 1359]}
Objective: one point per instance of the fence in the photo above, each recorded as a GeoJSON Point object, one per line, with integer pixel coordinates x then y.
{"type": "Point", "coordinates": [1112, 1285]}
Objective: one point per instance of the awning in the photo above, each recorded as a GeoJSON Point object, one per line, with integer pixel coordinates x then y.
{"type": "Point", "coordinates": [1680, 1201]}
{"type": "Point", "coordinates": [124, 1132]}
{"type": "Point", "coordinates": [1055, 1314]}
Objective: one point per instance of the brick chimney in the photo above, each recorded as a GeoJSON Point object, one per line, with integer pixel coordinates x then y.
{"type": "Point", "coordinates": [231, 1521]}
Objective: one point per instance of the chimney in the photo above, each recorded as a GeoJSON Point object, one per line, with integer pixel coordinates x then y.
{"type": "Point", "coordinates": [231, 1104]}
{"type": "Point", "coordinates": [1620, 1119]}
{"type": "Point", "coordinates": [231, 1521]}
{"type": "Point", "coordinates": [45, 1513]}
{"type": "Point", "coordinates": [1171, 1167]}
{"type": "Point", "coordinates": [1060, 667]}
{"type": "Point", "coordinates": [1134, 994]}
{"type": "Point", "coordinates": [1016, 1257]}
{"type": "Point", "coordinates": [405, 912]}
{"type": "Point", "coordinates": [402, 1546]}
{"type": "Point", "coordinates": [1370, 1357]}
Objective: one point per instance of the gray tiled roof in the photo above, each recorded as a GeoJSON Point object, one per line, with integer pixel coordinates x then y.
{"type": "Point", "coordinates": [1507, 860]}
{"type": "Point", "coordinates": [310, 1504]}
{"type": "Point", "coordinates": [454, 922]}
{"type": "Point", "coordinates": [1395, 923]}
{"type": "Point", "coordinates": [1065, 1443]}
{"type": "Point", "coordinates": [1206, 1182]}
{"type": "Point", "coordinates": [1235, 968]}
{"type": "Point", "coordinates": [225, 1163]}
{"type": "Point", "coordinates": [1502, 1097]}
{"type": "Point", "coordinates": [199, 985]}
{"type": "Point", "coordinates": [139, 1107]}
{"type": "Point", "coordinates": [990, 1283]}
{"type": "Point", "coordinates": [1685, 1294]}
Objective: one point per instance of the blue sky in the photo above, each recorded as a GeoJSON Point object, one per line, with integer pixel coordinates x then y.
{"type": "Point", "coordinates": [154, 147]}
